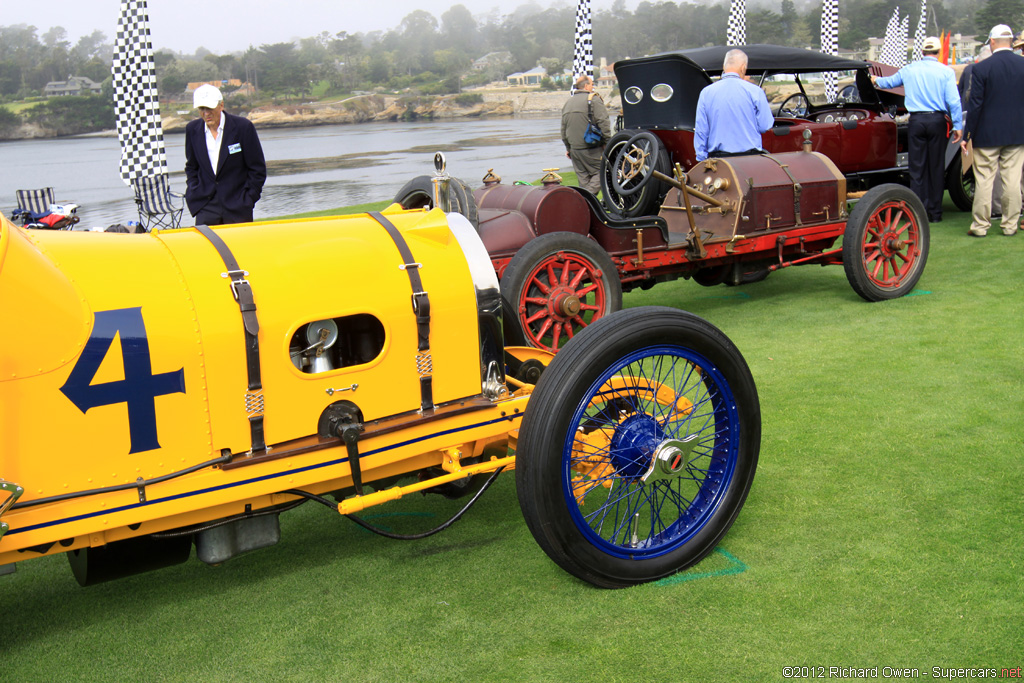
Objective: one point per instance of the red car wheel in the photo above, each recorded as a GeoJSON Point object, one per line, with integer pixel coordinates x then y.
{"type": "Point", "coordinates": [885, 245]}
{"type": "Point", "coordinates": [557, 284]}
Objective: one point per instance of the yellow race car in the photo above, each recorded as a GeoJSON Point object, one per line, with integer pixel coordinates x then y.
{"type": "Point", "coordinates": [185, 387]}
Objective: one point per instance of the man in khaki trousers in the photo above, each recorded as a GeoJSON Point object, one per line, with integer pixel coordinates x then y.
{"type": "Point", "coordinates": [993, 127]}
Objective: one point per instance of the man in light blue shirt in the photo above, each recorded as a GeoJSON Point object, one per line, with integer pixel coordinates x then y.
{"type": "Point", "coordinates": [732, 113]}
{"type": "Point", "coordinates": [931, 97]}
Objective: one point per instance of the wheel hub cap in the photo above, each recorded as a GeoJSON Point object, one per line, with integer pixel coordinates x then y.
{"type": "Point", "coordinates": [634, 444]}
{"type": "Point", "coordinates": [566, 304]}
{"type": "Point", "coordinates": [891, 245]}
{"type": "Point", "coordinates": [670, 459]}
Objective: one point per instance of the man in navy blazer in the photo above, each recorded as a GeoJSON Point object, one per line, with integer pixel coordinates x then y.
{"type": "Point", "coordinates": [224, 164]}
{"type": "Point", "coordinates": [993, 127]}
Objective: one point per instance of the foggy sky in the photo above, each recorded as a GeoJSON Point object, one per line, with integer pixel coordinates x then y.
{"type": "Point", "coordinates": [228, 26]}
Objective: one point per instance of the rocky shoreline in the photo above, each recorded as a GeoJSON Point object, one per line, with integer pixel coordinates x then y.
{"type": "Point", "coordinates": [382, 108]}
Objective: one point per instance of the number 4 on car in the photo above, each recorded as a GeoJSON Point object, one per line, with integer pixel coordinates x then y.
{"type": "Point", "coordinates": [196, 384]}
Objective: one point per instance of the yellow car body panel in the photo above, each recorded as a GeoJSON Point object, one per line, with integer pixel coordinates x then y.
{"type": "Point", "coordinates": [124, 360]}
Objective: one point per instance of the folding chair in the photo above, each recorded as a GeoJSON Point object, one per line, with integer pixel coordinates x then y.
{"type": "Point", "coordinates": [159, 206]}
{"type": "Point", "coordinates": [33, 202]}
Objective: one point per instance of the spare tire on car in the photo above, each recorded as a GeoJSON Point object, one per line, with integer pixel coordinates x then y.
{"type": "Point", "coordinates": [419, 193]}
{"type": "Point", "coordinates": [645, 201]}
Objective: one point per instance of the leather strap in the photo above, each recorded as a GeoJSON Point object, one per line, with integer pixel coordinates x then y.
{"type": "Point", "coordinates": [420, 307]}
{"type": "Point", "coordinates": [242, 292]}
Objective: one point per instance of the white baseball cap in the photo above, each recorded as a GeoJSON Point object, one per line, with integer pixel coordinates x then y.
{"type": "Point", "coordinates": [207, 96]}
{"type": "Point", "coordinates": [1001, 31]}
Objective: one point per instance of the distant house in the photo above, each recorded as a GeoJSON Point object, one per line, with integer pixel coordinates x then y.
{"type": "Point", "coordinates": [75, 85]}
{"type": "Point", "coordinates": [533, 77]}
{"type": "Point", "coordinates": [226, 84]}
{"type": "Point", "coordinates": [229, 87]}
{"type": "Point", "coordinates": [492, 59]}
{"type": "Point", "coordinates": [606, 75]}
{"type": "Point", "coordinates": [244, 90]}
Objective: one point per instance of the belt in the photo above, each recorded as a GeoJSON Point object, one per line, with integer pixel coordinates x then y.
{"type": "Point", "coordinates": [927, 112]}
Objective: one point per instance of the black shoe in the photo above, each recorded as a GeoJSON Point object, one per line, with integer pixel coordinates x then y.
{"type": "Point", "coordinates": [937, 219]}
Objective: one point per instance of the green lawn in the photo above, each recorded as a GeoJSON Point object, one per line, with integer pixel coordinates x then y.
{"type": "Point", "coordinates": [19, 107]}
{"type": "Point", "coordinates": [883, 529]}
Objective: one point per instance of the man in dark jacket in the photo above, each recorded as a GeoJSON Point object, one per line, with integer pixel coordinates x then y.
{"type": "Point", "coordinates": [224, 164]}
{"type": "Point", "coordinates": [586, 157]}
{"type": "Point", "coordinates": [993, 128]}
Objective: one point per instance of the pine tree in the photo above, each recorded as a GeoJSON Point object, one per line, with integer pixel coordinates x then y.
{"type": "Point", "coordinates": [995, 12]}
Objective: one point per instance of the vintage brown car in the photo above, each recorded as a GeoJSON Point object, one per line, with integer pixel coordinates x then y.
{"type": "Point", "coordinates": [564, 261]}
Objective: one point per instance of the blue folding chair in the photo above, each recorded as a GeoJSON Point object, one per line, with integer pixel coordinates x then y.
{"type": "Point", "coordinates": [32, 204]}
{"type": "Point", "coordinates": [159, 206]}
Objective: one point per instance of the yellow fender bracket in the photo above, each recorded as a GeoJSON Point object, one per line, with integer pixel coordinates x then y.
{"type": "Point", "coordinates": [13, 492]}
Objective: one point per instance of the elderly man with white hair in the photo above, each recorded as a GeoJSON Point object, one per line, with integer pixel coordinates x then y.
{"type": "Point", "coordinates": [993, 128]}
{"type": "Point", "coordinates": [224, 164]}
{"type": "Point", "coordinates": [731, 113]}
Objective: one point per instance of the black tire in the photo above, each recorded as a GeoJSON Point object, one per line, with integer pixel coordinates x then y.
{"type": "Point", "coordinates": [638, 447]}
{"type": "Point", "coordinates": [959, 185]}
{"type": "Point", "coordinates": [558, 284]}
{"type": "Point", "coordinates": [709, 277]}
{"type": "Point", "coordinates": [885, 244]}
{"type": "Point", "coordinates": [419, 193]}
{"type": "Point", "coordinates": [731, 274]}
{"type": "Point", "coordinates": [748, 273]}
{"type": "Point", "coordinates": [643, 203]}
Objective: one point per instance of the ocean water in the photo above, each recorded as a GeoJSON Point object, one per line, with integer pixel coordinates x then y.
{"type": "Point", "coordinates": [309, 169]}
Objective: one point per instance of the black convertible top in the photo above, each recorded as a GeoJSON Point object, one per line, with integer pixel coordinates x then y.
{"type": "Point", "coordinates": [678, 77]}
{"type": "Point", "coordinates": [760, 59]}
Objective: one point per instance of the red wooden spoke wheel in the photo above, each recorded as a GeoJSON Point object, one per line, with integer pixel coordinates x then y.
{"type": "Point", "coordinates": [885, 245]}
{"type": "Point", "coordinates": [557, 284]}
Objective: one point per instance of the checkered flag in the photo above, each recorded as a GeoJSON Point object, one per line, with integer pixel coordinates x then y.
{"type": "Point", "coordinates": [583, 56]}
{"type": "Point", "coordinates": [889, 45]}
{"type": "Point", "coordinates": [901, 54]}
{"type": "Point", "coordinates": [829, 42]}
{"type": "Point", "coordinates": [736, 32]}
{"type": "Point", "coordinates": [136, 103]}
{"type": "Point", "coordinates": [919, 34]}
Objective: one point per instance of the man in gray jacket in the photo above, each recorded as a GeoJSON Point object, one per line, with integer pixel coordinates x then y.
{"type": "Point", "coordinates": [586, 158]}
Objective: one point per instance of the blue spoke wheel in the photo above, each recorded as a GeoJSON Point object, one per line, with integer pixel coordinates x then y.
{"type": "Point", "coordinates": [638, 447]}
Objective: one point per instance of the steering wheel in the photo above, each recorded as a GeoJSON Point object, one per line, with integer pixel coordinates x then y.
{"type": "Point", "coordinates": [634, 164]}
{"type": "Point", "coordinates": [798, 109]}
{"type": "Point", "coordinates": [848, 94]}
